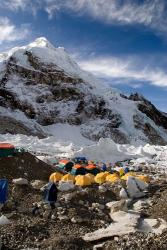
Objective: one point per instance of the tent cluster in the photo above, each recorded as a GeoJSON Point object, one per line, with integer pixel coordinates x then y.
{"type": "Point", "coordinates": [78, 166]}
{"type": "Point", "coordinates": [81, 180]}
{"type": "Point", "coordinates": [84, 173]}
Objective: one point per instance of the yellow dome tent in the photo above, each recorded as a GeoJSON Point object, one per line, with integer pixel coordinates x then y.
{"type": "Point", "coordinates": [55, 177]}
{"type": "Point", "coordinates": [68, 177]}
{"type": "Point", "coordinates": [101, 177]}
{"type": "Point", "coordinates": [112, 177]}
{"type": "Point", "coordinates": [91, 177]}
{"type": "Point", "coordinates": [82, 180]}
{"type": "Point", "coordinates": [128, 174]}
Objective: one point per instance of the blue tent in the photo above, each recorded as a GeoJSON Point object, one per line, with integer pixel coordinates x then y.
{"type": "Point", "coordinates": [80, 159]}
{"type": "Point", "coordinates": [3, 190]}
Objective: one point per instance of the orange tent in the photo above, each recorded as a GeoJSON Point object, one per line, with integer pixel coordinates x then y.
{"type": "Point", "coordinates": [78, 169]}
{"type": "Point", "coordinates": [92, 169]}
{"type": "Point", "coordinates": [90, 166]}
{"type": "Point", "coordinates": [63, 161]}
{"type": "Point", "coordinates": [76, 166]}
{"type": "Point", "coordinates": [6, 145]}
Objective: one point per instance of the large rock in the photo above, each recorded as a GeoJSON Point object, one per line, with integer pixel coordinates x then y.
{"type": "Point", "coordinates": [124, 223]}
{"type": "Point", "coordinates": [135, 188]}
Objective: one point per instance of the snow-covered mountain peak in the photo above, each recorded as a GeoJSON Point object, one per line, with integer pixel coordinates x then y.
{"type": "Point", "coordinates": [41, 42]}
{"type": "Point", "coordinates": [47, 54]}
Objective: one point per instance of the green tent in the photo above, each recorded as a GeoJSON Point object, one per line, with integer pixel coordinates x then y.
{"type": "Point", "coordinates": [6, 150]}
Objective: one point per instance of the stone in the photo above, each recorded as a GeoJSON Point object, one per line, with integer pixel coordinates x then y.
{"type": "Point", "coordinates": [9, 204]}
{"type": "Point", "coordinates": [65, 186]}
{"type": "Point", "coordinates": [102, 189]}
{"type": "Point", "coordinates": [141, 204]}
{"type": "Point", "coordinates": [20, 181]}
{"type": "Point", "coordinates": [81, 202]}
{"type": "Point", "coordinates": [46, 214]}
{"type": "Point", "coordinates": [101, 206]}
{"type": "Point", "coordinates": [116, 206]}
{"type": "Point", "coordinates": [63, 218]}
{"type": "Point", "coordinates": [68, 197]}
{"type": "Point", "coordinates": [77, 219]}
{"type": "Point", "coordinates": [62, 212]}
{"type": "Point", "coordinates": [99, 246]}
{"type": "Point", "coordinates": [46, 207]}
{"type": "Point", "coordinates": [156, 226]}
{"type": "Point", "coordinates": [53, 217]}
{"type": "Point", "coordinates": [22, 210]}
{"type": "Point", "coordinates": [95, 205]}
{"type": "Point", "coordinates": [37, 184]}
{"type": "Point", "coordinates": [4, 220]}
{"type": "Point", "coordinates": [60, 208]}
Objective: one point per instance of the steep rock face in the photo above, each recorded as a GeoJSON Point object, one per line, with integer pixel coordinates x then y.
{"type": "Point", "coordinates": [12, 126]}
{"type": "Point", "coordinates": [149, 131]}
{"type": "Point", "coordinates": [150, 110]}
{"type": "Point", "coordinates": [41, 85]}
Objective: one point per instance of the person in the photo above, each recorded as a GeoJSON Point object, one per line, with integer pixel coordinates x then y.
{"type": "Point", "coordinates": [50, 194]}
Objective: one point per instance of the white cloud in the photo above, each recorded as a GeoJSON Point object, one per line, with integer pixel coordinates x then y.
{"type": "Point", "coordinates": [151, 13]}
{"type": "Point", "coordinates": [125, 71]}
{"type": "Point", "coordinates": [9, 32]}
{"type": "Point", "coordinates": [15, 4]}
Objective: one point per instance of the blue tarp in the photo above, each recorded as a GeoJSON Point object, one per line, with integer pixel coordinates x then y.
{"type": "Point", "coordinates": [3, 190]}
{"type": "Point", "coordinates": [50, 192]}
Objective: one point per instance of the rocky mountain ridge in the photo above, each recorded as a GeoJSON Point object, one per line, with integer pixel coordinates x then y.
{"type": "Point", "coordinates": [41, 85]}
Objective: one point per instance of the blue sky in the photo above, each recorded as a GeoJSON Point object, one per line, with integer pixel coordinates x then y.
{"type": "Point", "coordinates": [123, 42]}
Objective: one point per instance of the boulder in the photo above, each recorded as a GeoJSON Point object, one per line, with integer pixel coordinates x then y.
{"type": "Point", "coordinates": [20, 181]}
{"type": "Point", "coordinates": [4, 220]}
{"type": "Point", "coordinates": [135, 188]}
{"type": "Point", "coordinates": [65, 186]}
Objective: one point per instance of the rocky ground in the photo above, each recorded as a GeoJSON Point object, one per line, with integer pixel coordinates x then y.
{"type": "Point", "coordinates": [77, 212]}
{"type": "Point", "coordinates": [138, 240]}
